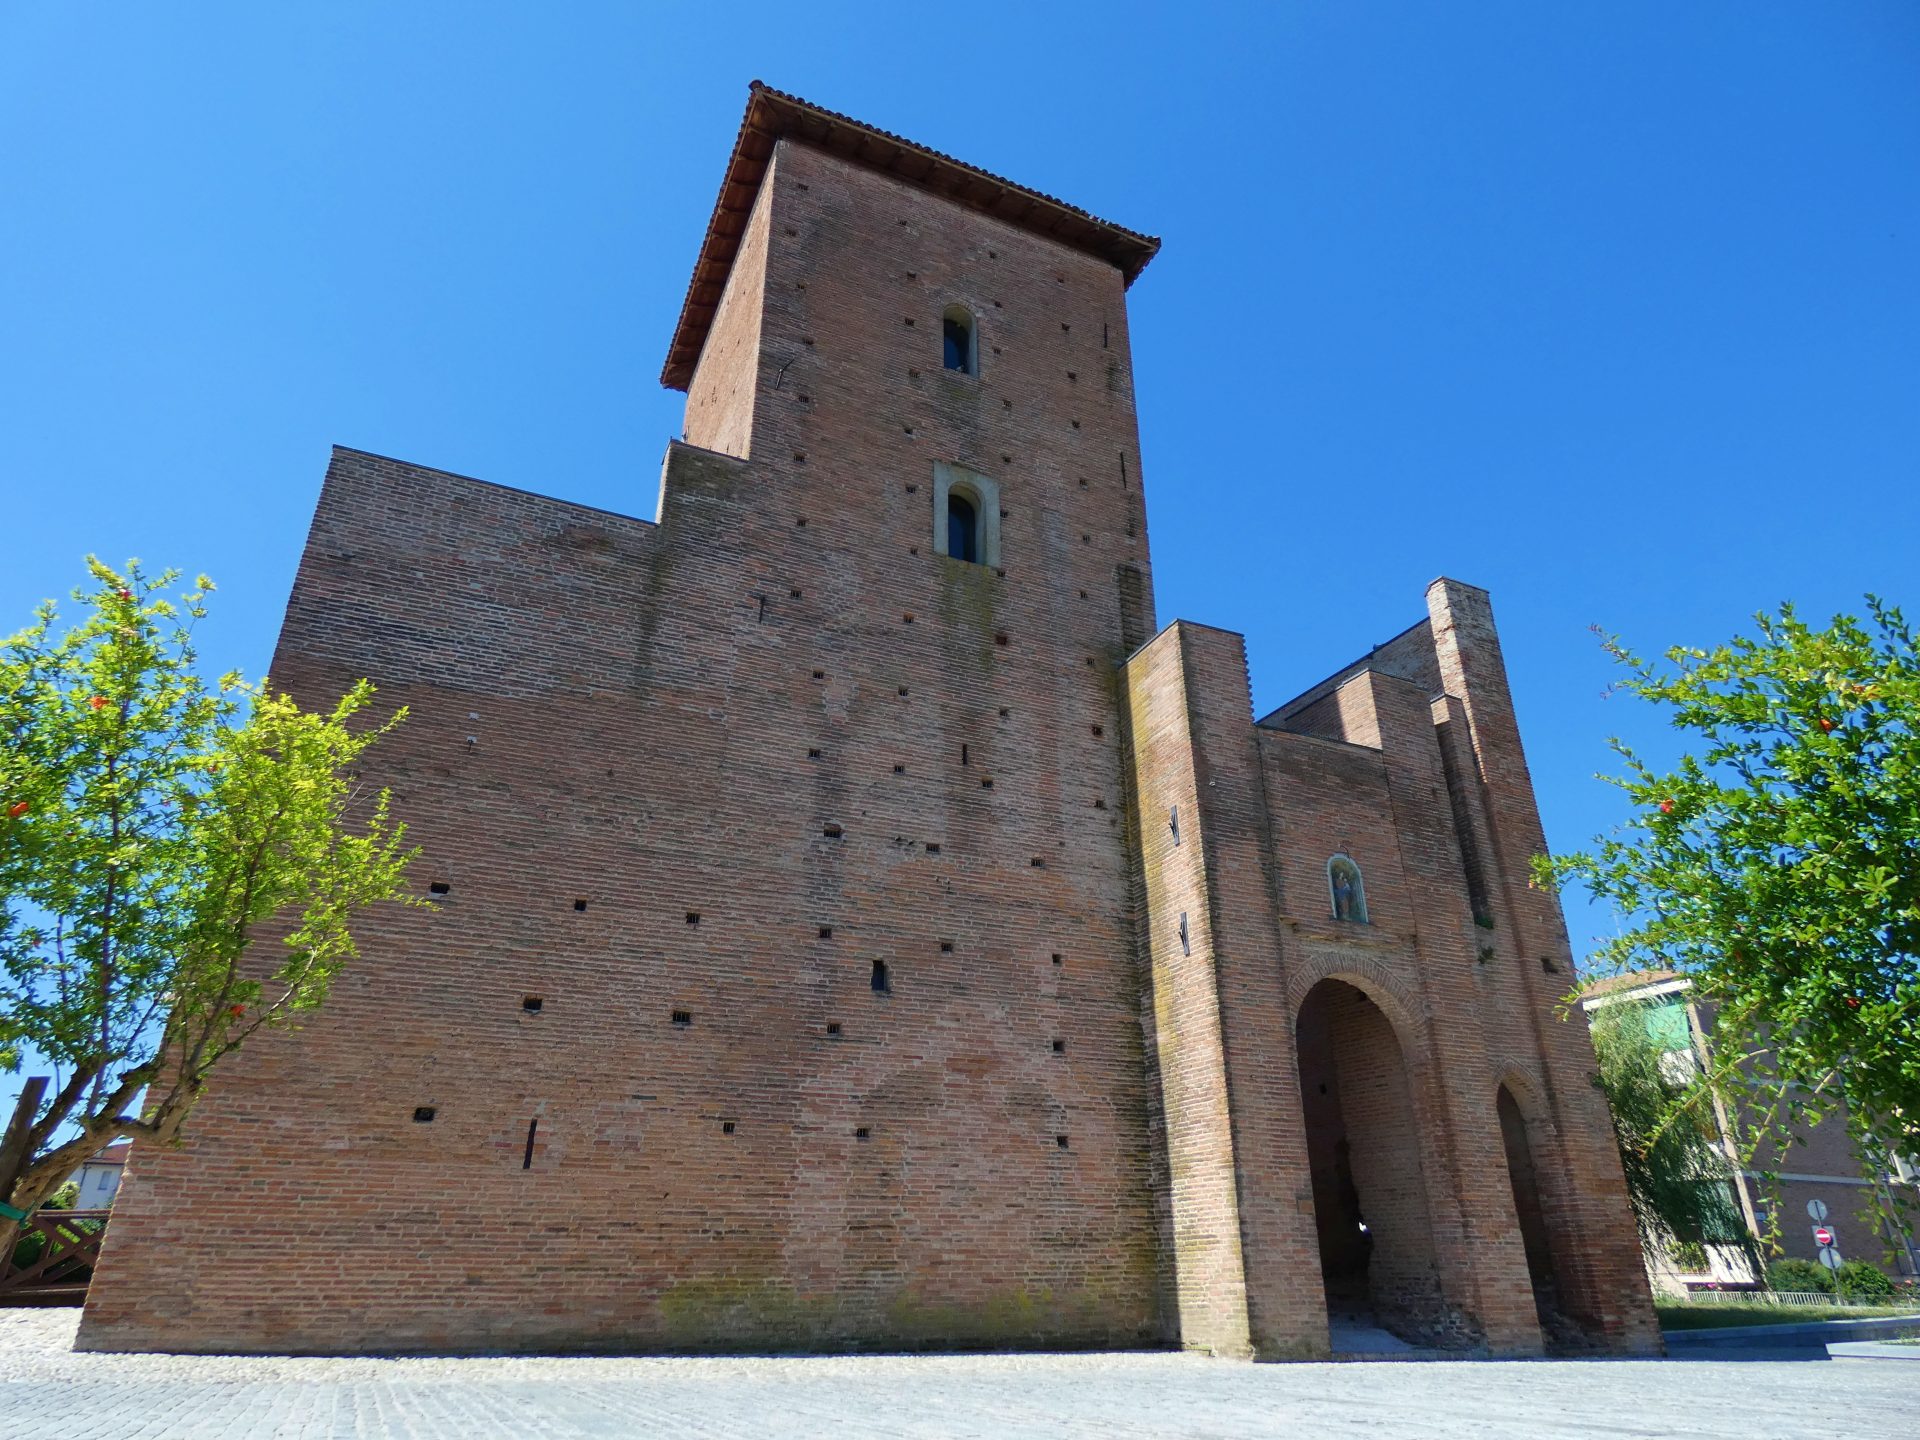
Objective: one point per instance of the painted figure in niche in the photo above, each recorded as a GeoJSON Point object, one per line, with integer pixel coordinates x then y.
{"type": "Point", "coordinates": [1349, 894]}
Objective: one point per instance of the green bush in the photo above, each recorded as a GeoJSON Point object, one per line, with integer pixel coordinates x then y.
{"type": "Point", "coordinates": [1861, 1281]}
{"type": "Point", "coordinates": [1799, 1276]}
{"type": "Point", "coordinates": [27, 1249]}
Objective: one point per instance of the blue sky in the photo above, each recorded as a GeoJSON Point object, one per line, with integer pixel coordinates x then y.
{"type": "Point", "coordinates": [1611, 308]}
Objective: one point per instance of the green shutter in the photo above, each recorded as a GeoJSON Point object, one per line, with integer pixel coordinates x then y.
{"type": "Point", "coordinates": [1667, 1025]}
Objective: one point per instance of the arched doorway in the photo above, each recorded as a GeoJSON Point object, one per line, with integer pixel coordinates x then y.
{"type": "Point", "coordinates": [1363, 1148]}
{"type": "Point", "coordinates": [1528, 1209]}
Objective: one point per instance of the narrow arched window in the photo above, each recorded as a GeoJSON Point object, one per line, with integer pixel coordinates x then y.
{"type": "Point", "coordinates": [956, 330]}
{"type": "Point", "coordinates": [1348, 891]}
{"type": "Point", "coordinates": [880, 981]}
{"type": "Point", "coordinates": [963, 528]}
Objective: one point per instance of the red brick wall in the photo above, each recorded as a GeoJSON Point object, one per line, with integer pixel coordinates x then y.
{"type": "Point", "coordinates": [1379, 765]}
{"type": "Point", "coordinates": [720, 401]}
{"type": "Point", "coordinates": [1599, 1271]}
{"type": "Point", "coordinates": [776, 739]}
{"type": "Point", "coordinates": [666, 722]}
{"type": "Point", "coordinates": [1184, 1019]}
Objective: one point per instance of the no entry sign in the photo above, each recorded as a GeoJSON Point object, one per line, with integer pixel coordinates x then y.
{"type": "Point", "coordinates": [1822, 1235]}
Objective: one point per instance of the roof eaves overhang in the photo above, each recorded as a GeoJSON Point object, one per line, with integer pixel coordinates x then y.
{"type": "Point", "coordinates": [772, 115]}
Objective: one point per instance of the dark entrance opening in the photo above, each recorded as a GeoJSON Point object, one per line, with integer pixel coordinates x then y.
{"type": "Point", "coordinates": [1363, 1147]}
{"type": "Point", "coordinates": [1528, 1209]}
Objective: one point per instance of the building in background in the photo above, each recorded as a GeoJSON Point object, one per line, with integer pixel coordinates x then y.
{"type": "Point", "coordinates": [858, 923]}
{"type": "Point", "coordinates": [99, 1177]}
{"type": "Point", "coordinates": [1823, 1182]}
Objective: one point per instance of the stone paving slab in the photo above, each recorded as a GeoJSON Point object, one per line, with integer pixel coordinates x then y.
{"type": "Point", "coordinates": [48, 1391]}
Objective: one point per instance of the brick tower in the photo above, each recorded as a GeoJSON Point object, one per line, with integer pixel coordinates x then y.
{"type": "Point", "coordinates": [805, 970]}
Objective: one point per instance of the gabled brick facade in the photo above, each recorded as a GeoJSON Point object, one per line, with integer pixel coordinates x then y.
{"type": "Point", "coordinates": [810, 969]}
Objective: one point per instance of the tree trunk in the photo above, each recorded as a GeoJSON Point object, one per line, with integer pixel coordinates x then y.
{"type": "Point", "coordinates": [13, 1160]}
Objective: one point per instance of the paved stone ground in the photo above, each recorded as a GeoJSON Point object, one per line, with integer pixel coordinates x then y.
{"type": "Point", "coordinates": [47, 1391]}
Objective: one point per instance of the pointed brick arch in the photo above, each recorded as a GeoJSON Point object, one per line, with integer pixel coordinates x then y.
{"type": "Point", "coordinates": [1370, 1180]}
{"type": "Point", "coordinates": [1388, 990]}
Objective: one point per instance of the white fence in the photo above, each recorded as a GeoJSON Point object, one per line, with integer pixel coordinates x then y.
{"type": "Point", "coordinates": [1907, 1301]}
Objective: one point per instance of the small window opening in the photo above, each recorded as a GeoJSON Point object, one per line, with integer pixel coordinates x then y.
{"type": "Point", "coordinates": [933, 849]}
{"type": "Point", "coordinates": [423, 1114]}
{"type": "Point", "coordinates": [986, 784]}
{"type": "Point", "coordinates": [880, 982]}
{"type": "Point", "coordinates": [579, 905]}
{"type": "Point", "coordinates": [1186, 941]}
{"type": "Point", "coordinates": [532, 1004]}
{"type": "Point", "coordinates": [946, 947]}
{"type": "Point", "coordinates": [826, 932]}
{"type": "Point", "coordinates": [1546, 964]}
{"type": "Point", "coordinates": [963, 529]}
{"type": "Point", "coordinates": [956, 333]}
{"type": "Point", "coordinates": [1056, 959]}
{"type": "Point", "coordinates": [813, 752]}
{"type": "Point", "coordinates": [726, 1127]}
{"type": "Point", "coordinates": [963, 755]}
{"type": "Point", "coordinates": [1348, 890]}
{"type": "Point", "coordinates": [533, 1128]}
{"type": "Point", "coordinates": [439, 887]}
{"type": "Point", "coordinates": [1061, 1141]}
{"type": "Point", "coordinates": [683, 1018]}
{"type": "Point", "coordinates": [833, 1027]}
{"type": "Point", "coordinates": [693, 917]}
{"type": "Point", "coordinates": [1059, 1047]}
{"type": "Point", "coordinates": [861, 1133]}
{"type": "Point", "coordinates": [832, 832]}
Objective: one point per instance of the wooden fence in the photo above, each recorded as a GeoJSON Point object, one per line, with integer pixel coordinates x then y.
{"type": "Point", "coordinates": [69, 1249]}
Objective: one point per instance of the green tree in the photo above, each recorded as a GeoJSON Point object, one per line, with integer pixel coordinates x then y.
{"type": "Point", "coordinates": [1777, 865]}
{"type": "Point", "coordinates": [1677, 1176]}
{"type": "Point", "coordinates": [180, 862]}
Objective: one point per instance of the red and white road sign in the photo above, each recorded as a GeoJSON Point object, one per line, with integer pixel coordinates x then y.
{"type": "Point", "coordinates": [1822, 1235]}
